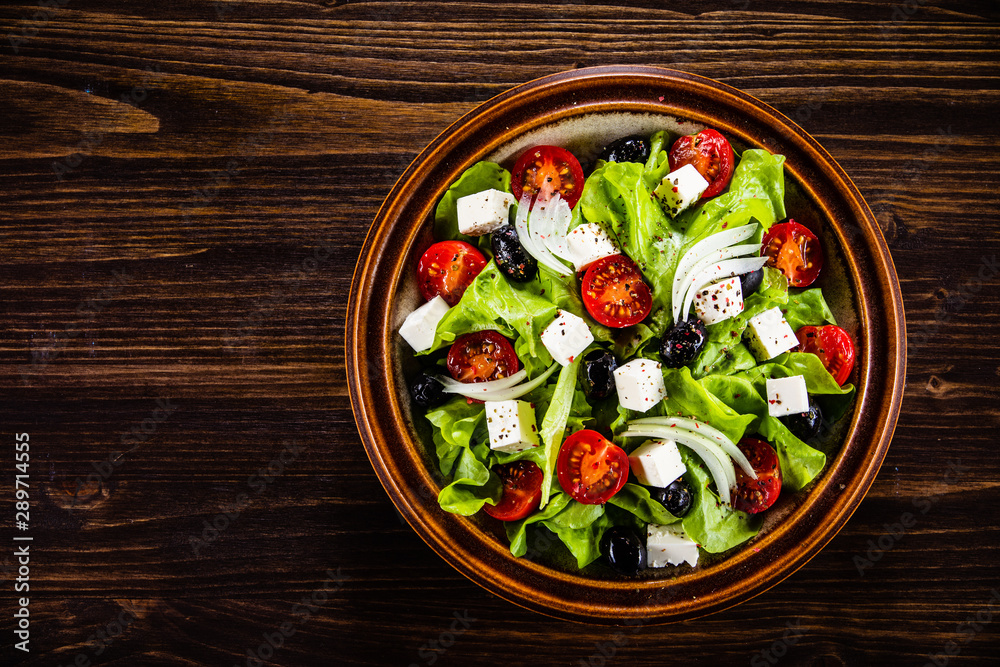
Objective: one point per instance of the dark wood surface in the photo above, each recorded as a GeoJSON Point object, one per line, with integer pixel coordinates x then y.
{"type": "Point", "coordinates": [184, 187]}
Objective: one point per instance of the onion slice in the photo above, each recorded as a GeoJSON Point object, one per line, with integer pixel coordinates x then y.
{"type": "Point", "coordinates": [531, 241]}
{"type": "Point", "coordinates": [724, 269]}
{"type": "Point", "coordinates": [553, 226]}
{"type": "Point", "coordinates": [503, 389]}
{"type": "Point", "coordinates": [719, 465]}
{"type": "Point", "coordinates": [695, 426]}
{"type": "Point", "coordinates": [713, 258]}
{"type": "Point", "coordinates": [699, 251]}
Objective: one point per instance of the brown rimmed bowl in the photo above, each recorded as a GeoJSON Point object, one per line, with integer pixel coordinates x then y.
{"type": "Point", "coordinates": [582, 110]}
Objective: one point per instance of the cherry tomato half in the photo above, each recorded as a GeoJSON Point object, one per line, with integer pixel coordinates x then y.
{"type": "Point", "coordinates": [711, 155]}
{"type": "Point", "coordinates": [544, 170]}
{"type": "Point", "coordinates": [795, 251]}
{"type": "Point", "coordinates": [591, 468]}
{"type": "Point", "coordinates": [522, 491]}
{"type": "Point", "coordinates": [481, 356]}
{"type": "Point", "coordinates": [615, 293]}
{"type": "Point", "coordinates": [447, 269]}
{"type": "Point", "coordinates": [756, 495]}
{"type": "Point", "coordinates": [832, 345]}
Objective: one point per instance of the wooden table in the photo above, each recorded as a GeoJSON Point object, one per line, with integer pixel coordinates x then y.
{"type": "Point", "coordinates": [185, 187]}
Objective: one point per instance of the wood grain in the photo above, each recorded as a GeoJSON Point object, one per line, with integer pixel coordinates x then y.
{"type": "Point", "coordinates": [168, 171]}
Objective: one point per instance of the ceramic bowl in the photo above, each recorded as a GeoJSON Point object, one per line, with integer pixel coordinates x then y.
{"type": "Point", "coordinates": [582, 110]}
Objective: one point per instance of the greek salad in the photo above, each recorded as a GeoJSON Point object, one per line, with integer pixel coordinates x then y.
{"type": "Point", "coordinates": [635, 360]}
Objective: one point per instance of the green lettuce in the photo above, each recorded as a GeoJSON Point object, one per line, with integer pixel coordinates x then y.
{"type": "Point", "coordinates": [807, 308]}
{"type": "Point", "coordinates": [714, 526]}
{"type": "Point", "coordinates": [636, 500]}
{"type": "Point", "coordinates": [493, 302]}
{"type": "Point", "coordinates": [554, 424]}
{"type": "Point", "coordinates": [473, 483]}
{"type": "Point", "coordinates": [455, 424]}
{"type": "Point", "coordinates": [800, 463]}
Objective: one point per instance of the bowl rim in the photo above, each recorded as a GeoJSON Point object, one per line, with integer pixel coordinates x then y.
{"type": "Point", "coordinates": [745, 573]}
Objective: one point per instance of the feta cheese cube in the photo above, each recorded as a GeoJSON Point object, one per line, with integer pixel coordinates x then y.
{"type": "Point", "coordinates": [719, 301]}
{"type": "Point", "coordinates": [787, 396]}
{"type": "Point", "coordinates": [680, 189]}
{"type": "Point", "coordinates": [483, 212]}
{"type": "Point", "coordinates": [769, 335]}
{"type": "Point", "coordinates": [511, 425]}
{"type": "Point", "coordinates": [656, 463]}
{"type": "Point", "coordinates": [566, 337]}
{"type": "Point", "coordinates": [589, 243]}
{"type": "Point", "coordinates": [669, 545]}
{"type": "Point", "coordinates": [640, 384]}
{"type": "Point", "coordinates": [419, 326]}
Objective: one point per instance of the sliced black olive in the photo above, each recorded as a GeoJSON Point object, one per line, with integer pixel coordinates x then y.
{"type": "Point", "coordinates": [510, 255]}
{"type": "Point", "coordinates": [623, 550]}
{"type": "Point", "coordinates": [683, 343]}
{"type": "Point", "coordinates": [627, 149]}
{"type": "Point", "coordinates": [676, 497]}
{"type": "Point", "coordinates": [427, 392]}
{"type": "Point", "coordinates": [805, 425]}
{"type": "Point", "coordinates": [597, 374]}
{"type": "Point", "coordinates": [750, 282]}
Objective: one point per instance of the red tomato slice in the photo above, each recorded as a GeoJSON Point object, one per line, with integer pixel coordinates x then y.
{"type": "Point", "coordinates": [591, 468]}
{"type": "Point", "coordinates": [522, 491]}
{"type": "Point", "coordinates": [447, 269]}
{"type": "Point", "coordinates": [832, 345]}
{"type": "Point", "coordinates": [711, 155]}
{"type": "Point", "coordinates": [756, 495]}
{"type": "Point", "coordinates": [795, 251]}
{"type": "Point", "coordinates": [614, 292]}
{"type": "Point", "coordinates": [482, 356]}
{"type": "Point", "coordinates": [543, 170]}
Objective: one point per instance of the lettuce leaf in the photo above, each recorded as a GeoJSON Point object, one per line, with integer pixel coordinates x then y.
{"type": "Point", "coordinates": [686, 397]}
{"type": "Point", "coordinates": [636, 500]}
{"type": "Point", "coordinates": [746, 392]}
{"type": "Point", "coordinates": [807, 308]}
{"type": "Point", "coordinates": [455, 424]}
{"type": "Point", "coordinates": [493, 302]}
{"type": "Point", "coordinates": [480, 176]}
{"type": "Point", "coordinates": [582, 541]}
{"type": "Point", "coordinates": [714, 526]}
{"type": "Point", "coordinates": [554, 424]}
{"type": "Point", "coordinates": [474, 483]}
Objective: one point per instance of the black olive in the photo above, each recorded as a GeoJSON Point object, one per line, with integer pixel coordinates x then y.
{"type": "Point", "coordinates": [683, 343]}
{"type": "Point", "coordinates": [750, 282]}
{"type": "Point", "coordinates": [627, 149]}
{"type": "Point", "coordinates": [510, 255]}
{"type": "Point", "coordinates": [805, 425]}
{"type": "Point", "coordinates": [623, 550]}
{"type": "Point", "coordinates": [427, 392]}
{"type": "Point", "coordinates": [597, 374]}
{"type": "Point", "coordinates": [676, 497]}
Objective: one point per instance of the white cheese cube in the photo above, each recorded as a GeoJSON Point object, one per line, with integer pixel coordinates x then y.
{"type": "Point", "coordinates": [511, 425]}
{"type": "Point", "coordinates": [656, 463]}
{"type": "Point", "coordinates": [589, 243]}
{"type": "Point", "coordinates": [787, 396]}
{"type": "Point", "coordinates": [669, 545]}
{"type": "Point", "coordinates": [566, 337]}
{"type": "Point", "coordinates": [719, 301]}
{"type": "Point", "coordinates": [640, 384]}
{"type": "Point", "coordinates": [419, 326]}
{"type": "Point", "coordinates": [680, 189]}
{"type": "Point", "coordinates": [482, 212]}
{"type": "Point", "coordinates": [769, 335]}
